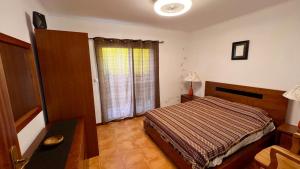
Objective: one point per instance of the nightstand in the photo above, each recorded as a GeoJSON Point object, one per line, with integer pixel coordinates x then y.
{"type": "Point", "coordinates": [186, 98]}
{"type": "Point", "coordinates": [284, 135]}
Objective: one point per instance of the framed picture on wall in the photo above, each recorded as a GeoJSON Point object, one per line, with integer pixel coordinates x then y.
{"type": "Point", "coordinates": [240, 50]}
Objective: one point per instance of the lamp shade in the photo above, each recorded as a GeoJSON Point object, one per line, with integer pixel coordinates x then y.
{"type": "Point", "coordinates": [293, 94]}
{"type": "Point", "coordinates": [192, 77]}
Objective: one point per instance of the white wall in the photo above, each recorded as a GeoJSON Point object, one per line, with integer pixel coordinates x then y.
{"type": "Point", "coordinates": [171, 51]}
{"type": "Point", "coordinates": [274, 54]}
{"type": "Point", "coordinates": [30, 132]}
{"type": "Point", "coordinates": [16, 23]}
{"type": "Point", "coordinates": [13, 17]}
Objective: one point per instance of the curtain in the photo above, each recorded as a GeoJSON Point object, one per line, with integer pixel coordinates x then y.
{"type": "Point", "coordinates": [128, 76]}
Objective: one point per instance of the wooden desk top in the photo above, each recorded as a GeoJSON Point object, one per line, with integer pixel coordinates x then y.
{"type": "Point", "coordinates": [287, 128]}
{"type": "Point", "coordinates": [263, 158]}
{"type": "Point", "coordinates": [70, 154]}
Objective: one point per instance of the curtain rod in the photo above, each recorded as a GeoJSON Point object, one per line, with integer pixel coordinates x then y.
{"type": "Point", "coordinates": [127, 39]}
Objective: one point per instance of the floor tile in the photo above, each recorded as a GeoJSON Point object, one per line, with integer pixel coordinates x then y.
{"type": "Point", "coordinates": [125, 145]}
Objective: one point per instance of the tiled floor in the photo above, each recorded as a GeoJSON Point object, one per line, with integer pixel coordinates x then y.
{"type": "Point", "coordinates": [124, 145]}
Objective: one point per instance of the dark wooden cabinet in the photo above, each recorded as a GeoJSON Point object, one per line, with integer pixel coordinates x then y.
{"type": "Point", "coordinates": [186, 98]}
{"type": "Point", "coordinates": [76, 157]}
{"type": "Point", "coordinates": [20, 99]}
{"type": "Point", "coordinates": [284, 135]}
{"type": "Point", "coordinates": [65, 68]}
{"type": "Point", "coordinates": [19, 68]}
{"type": "Point", "coordinates": [70, 154]}
{"type": "Point", "coordinates": [8, 133]}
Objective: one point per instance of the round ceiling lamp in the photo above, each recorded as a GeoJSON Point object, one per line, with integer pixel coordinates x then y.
{"type": "Point", "coordinates": [172, 7]}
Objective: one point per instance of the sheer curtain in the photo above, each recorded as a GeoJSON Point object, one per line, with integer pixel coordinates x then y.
{"type": "Point", "coordinates": [128, 75]}
{"type": "Point", "coordinates": [145, 76]}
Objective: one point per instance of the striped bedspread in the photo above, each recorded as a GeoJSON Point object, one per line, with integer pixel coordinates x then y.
{"type": "Point", "coordinates": [206, 127]}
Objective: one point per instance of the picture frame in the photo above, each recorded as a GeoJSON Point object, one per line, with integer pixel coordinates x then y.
{"type": "Point", "coordinates": [240, 50]}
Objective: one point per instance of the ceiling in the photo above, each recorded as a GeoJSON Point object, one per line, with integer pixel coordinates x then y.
{"type": "Point", "coordinates": [203, 13]}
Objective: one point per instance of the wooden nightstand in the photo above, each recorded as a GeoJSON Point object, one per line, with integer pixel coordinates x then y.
{"type": "Point", "coordinates": [186, 98]}
{"type": "Point", "coordinates": [284, 135]}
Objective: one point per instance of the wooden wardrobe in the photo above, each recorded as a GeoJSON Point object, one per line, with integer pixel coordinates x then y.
{"type": "Point", "coordinates": [65, 67]}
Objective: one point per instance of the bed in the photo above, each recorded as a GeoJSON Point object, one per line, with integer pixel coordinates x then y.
{"type": "Point", "coordinates": [224, 129]}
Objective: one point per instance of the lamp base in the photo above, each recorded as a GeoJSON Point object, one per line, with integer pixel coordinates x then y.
{"type": "Point", "coordinates": [191, 92]}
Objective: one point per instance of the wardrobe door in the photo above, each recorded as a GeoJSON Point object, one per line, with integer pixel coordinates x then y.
{"type": "Point", "coordinates": [66, 76]}
{"type": "Point", "coordinates": [8, 133]}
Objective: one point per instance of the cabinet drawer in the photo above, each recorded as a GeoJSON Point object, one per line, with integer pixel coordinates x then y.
{"type": "Point", "coordinates": [285, 140]}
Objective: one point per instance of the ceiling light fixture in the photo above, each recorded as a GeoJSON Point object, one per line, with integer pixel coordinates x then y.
{"type": "Point", "coordinates": [172, 7]}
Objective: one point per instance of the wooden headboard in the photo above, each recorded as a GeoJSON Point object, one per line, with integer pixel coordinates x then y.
{"type": "Point", "coordinates": [270, 100]}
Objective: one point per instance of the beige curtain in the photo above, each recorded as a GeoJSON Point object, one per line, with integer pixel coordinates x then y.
{"type": "Point", "coordinates": [128, 75]}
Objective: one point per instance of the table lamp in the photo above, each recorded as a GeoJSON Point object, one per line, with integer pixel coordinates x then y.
{"type": "Point", "coordinates": [294, 94]}
{"type": "Point", "coordinates": [192, 77]}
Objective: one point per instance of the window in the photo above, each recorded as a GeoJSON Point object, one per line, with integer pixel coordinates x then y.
{"type": "Point", "coordinates": [116, 58]}
{"type": "Point", "coordinates": [128, 74]}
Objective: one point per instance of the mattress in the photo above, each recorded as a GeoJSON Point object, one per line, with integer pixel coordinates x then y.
{"type": "Point", "coordinates": [246, 141]}
{"type": "Point", "coordinates": [206, 130]}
